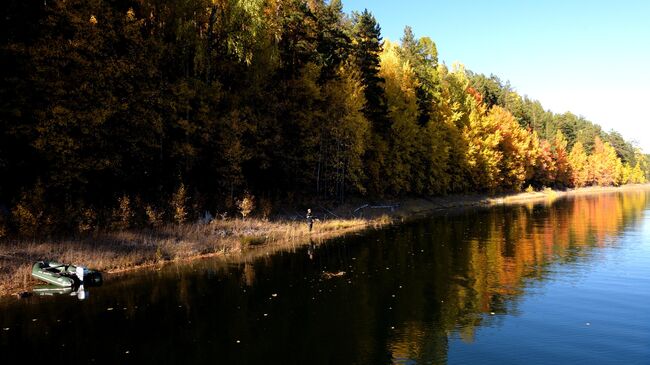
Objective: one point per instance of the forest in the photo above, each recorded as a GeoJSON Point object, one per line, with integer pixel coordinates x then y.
{"type": "Point", "coordinates": [121, 113]}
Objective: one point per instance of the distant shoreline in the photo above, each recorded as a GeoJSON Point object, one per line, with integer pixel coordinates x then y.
{"type": "Point", "coordinates": [114, 253]}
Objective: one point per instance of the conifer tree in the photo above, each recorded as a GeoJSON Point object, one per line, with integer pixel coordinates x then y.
{"type": "Point", "coordinates": [367, 47]}
{"type": "Point", "coordinates": [422, 56]}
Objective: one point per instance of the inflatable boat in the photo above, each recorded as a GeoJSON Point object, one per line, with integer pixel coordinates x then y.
{"type": "Point", "coordinates": [64, 275]}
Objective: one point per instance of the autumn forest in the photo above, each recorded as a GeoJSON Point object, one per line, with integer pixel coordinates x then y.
{"type": "Point", "coordinates": [151, 105]}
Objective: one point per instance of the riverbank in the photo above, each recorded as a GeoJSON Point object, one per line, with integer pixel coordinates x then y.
{"type": "Point", "coordinates": [236, 239]}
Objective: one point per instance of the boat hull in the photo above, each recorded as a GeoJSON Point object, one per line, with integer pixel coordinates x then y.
{"type": "Point", "coordinates": [64, 276]}
{"type": "Point", "coordinates": [52, 275]}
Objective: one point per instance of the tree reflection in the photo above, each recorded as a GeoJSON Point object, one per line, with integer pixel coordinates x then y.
{"type": "Point", "coordinates": [483, 262]}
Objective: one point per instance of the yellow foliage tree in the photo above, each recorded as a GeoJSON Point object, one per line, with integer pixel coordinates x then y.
{"type": "Point", "coordinates": [578, 161]}
{"type": "Point", "coordinates": [437, 144]}
{"type": "Point", "coordinates": [453, 112]}
{"type": "Point", "coordinates": [483, 136]}
{"type": "Point", "coordinates": [626, 174]}
{"type": "Point", "coordinates": [636, 175]}
{"type": "Point", "coordinates": [562, 167]}
{"type": "Point", "coordinates": [344, 138]}
{"type": "Point", "coordinates": [604, 164]}
{"type": "Point", "coordinates": [400, 85]}
{"type": "Point", "coordinates": [514, 144]}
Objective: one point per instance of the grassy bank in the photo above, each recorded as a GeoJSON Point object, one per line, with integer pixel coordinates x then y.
{"type": "Point", "coordinates": [116, 252]}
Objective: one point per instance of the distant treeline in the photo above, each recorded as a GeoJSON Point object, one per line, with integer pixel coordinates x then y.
{"type": "Point", "coordinates": [139, 111]}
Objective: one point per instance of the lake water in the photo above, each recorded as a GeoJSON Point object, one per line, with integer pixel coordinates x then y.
{"type": "Point", "coordinates": [565, 283]}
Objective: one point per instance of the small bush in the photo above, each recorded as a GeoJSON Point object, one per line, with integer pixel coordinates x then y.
{"type": "Point", "coordinates": [87, 221]}
{"type": "Point", "coordinates": [179, 205]}
{"type": "Point", "coordinates": [154, 217]}
{"type": "Point", "coordinates": [246, 205]}
{"type": "Point", "coordinates": [530, 189]}
{"type": "Point", "coordinates": [123, 214]}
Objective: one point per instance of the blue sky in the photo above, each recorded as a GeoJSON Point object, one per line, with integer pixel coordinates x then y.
{"type": "Point", "coordinates": [587, 57]}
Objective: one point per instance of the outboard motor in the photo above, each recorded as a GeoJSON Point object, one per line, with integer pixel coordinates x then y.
{"type": "Point", "coordinates": [92, 278]}
{"type": "Point", "coordinates": [87, 277]}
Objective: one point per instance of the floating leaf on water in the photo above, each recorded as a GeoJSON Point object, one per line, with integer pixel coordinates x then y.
{"type": "Point", "coordinates": [274, 295]}
{"type": "Point", "coordinates": [329, 275]}
{"type": "Point", "coordinates": [6, 329]}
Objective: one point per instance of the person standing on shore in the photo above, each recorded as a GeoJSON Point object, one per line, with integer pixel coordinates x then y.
{"type": "Point", "coordinates": [310, 219]}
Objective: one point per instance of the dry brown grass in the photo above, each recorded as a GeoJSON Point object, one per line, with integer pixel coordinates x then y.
{"type": "Point", "coordinates": [113, 252]}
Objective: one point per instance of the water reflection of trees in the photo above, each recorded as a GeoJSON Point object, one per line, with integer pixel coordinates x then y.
{"type": "Point", "coordinates": [406, 290]}
{"type": "Point", "coordinates": [483, 262]}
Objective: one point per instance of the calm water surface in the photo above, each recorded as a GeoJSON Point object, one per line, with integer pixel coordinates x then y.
{"type": "Point", "coordinates": [567, 283]}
